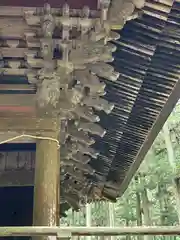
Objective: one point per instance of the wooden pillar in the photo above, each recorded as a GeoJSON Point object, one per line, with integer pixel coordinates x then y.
{"type": "Point", "coordinates": [47, 183]}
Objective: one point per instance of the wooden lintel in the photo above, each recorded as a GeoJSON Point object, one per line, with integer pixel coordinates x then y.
{"type": "Point", "coordinates": [20, 26]}
{"type": "Point", "coordinates": [16, 28]}
{"type": "Point", "coordinates": [18, 7]}
{"type": "Point", "coordinates": [12, 135]}
{"type": "Point", "coordinates": [15, 52]}
{"type": "Point", "coordinates": [17, 100]}
{"type": "Point", "coordinates": [17, 71]}
{"type": "Point", "coordinates": [15, 11]}
{"type": "Point", "coordinates": [29, 125]}
{"type": "Point", "coordinates": [17, 105]}
{"type": "Point", "coordinates": [17, 87]}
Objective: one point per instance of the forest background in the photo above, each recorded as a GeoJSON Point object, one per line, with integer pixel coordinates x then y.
{"type": "Point", "coordinates": [152, 198]}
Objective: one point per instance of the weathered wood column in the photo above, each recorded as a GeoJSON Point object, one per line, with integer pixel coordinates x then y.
{"type": "Point", "coordinates": [47, 167]}
{"type": "Point", "coordinates": [47, 183]}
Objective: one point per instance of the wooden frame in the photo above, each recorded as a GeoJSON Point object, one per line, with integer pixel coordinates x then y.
{"type": "Point", "coordinates": [67, 232]}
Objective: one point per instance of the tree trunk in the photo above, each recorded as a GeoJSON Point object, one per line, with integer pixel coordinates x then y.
{"type": "Point", "coordinates": [172, 162]}
{"type": "Point", "coordinates": [166, 203]}
{"type": "Point", "coordinates": [138, 209]}
{"type": "Point", "coordinates": [138, 203]}
{"type": "Point", "coordinates": [138, 206]}
{"type": "Point", "coordinates": [161, 207]}
{"type": "Point", "coordinates": [145, 207]}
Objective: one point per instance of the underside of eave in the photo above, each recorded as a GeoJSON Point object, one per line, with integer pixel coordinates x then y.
{"type": "Point", "coordinates": [144, 95]}
{"type": "Point", "coordinates": [163, 69]}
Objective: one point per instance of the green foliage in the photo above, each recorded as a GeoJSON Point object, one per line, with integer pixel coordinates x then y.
{"type": "Point", "coordinates": [157, 178]}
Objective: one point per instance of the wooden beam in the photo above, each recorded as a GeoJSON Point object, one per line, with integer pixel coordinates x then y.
{"type": "Point", "coordinates": [17, 52]}
{"type": "Point", "coordinates": [68, 232]}
{"type": "Point", "coordinates": [17, 111]}
{"type": "Point", "coordinates": [23, 4]}
{"type": "Point", "coordinates": [26, 124]}
{"type": "Point", "coordinates": [17, 100]}
{"type": "Point", "coordinates": [12, 105]}
{"type": "Point", "coordinates": [7, 135]}
{"type": "Point", "coordinates": [17, 87]}
{"type": "Point", "coordinates": [18, 33]}
{"type": "Point", "coordinates": [17, 71]}
{"type": "Point", "coordinates": [14, 11]}
{"type": "Point", "coordinates": [158, 6]}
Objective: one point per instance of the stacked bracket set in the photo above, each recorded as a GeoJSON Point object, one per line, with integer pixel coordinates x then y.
{"type": "Point", "coordinates": [66, 55]}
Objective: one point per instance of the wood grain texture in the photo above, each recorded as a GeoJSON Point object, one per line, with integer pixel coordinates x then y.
{"type": "Point", "coordinates": [54, 3]}
{"type": "Point", "coordinates": [20, 124]}
{"type": "Point", "coordinates": [17, 87]}
{"type": "Point", "coordinates": [46, 184]}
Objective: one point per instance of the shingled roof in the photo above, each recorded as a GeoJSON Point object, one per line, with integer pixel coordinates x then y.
{"type": "Point", "coordinates": [146, 91]}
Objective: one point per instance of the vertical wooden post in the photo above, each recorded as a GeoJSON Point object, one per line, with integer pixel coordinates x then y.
{"type": "Point", "coordinates": [111, 217]}
{"type": "Point", "coordinates": [47, 181]}
{"type": "Point", "coordinates": [88, 217]}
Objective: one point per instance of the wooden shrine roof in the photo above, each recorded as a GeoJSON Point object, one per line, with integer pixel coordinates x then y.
{"type": "Point", "coordinates": [145, 93]}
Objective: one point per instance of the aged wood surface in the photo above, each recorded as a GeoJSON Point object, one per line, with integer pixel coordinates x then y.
{"type": "Point", "coordinates": [17, 100]}
{"type": "Point", "coordinates": [12, 134]}
{"type": "Point", "coordinates": [17, 87]}
{"type": "Point", "coordinates": [89, 231]}
{"type": "Point", "coordinates": [46, 183]}
{"type": "Point", "coordinates": [26, 124]}
{"type": "Point", "coordinates": [55, 3]}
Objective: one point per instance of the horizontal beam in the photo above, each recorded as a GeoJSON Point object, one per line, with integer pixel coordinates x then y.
{"type": "Point", "coordinates": [22, 5]}
{"type": "Point", "coordinates": [7, 135]}
{"type": "Point", "coordinates": [17, 87]}
{"type": "Point", "coordinates": [13, 111]}
{"type": "Point", "coordinates": [15, 52]}
{"type": "Point", "coordinates": [8, 29]}
{"type": "Point", "coordinates": [14, 104]}
{"type": "Point", "coordinates": [19, 27]}
{"type": "Point", "coordinates": [17, 99]}
{"type": "Point", "coordinates": [88, 231]}
{"type": "Point", "coordinates": [25, 124]}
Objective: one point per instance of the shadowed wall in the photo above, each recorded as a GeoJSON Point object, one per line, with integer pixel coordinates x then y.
{"type": "Point", "coordinates": [16, 205]}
